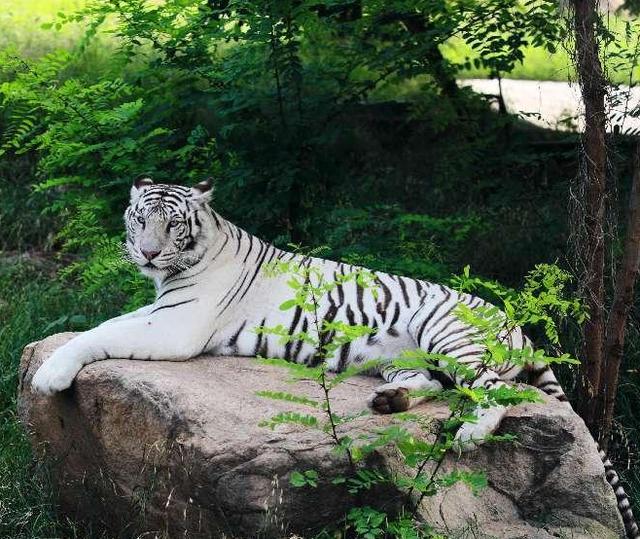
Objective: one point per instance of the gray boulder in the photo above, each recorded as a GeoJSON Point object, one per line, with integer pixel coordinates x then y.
{"type": "Point", "coordinates": [174, 449]}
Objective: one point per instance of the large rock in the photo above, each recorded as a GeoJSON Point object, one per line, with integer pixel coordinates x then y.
{"type": "Point", "coordinates": [175, 449]}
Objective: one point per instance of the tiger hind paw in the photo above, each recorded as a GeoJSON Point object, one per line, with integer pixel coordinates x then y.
{"type": "Point", "coordinates": [389, 398]}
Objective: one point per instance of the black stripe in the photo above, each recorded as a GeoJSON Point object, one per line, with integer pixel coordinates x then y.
{"type": "Point", "coordinates": [332, 302]}
{"type": "Point", "coordinates": [272, 255]}
{"type": "Point", "coordinates": [463, 329]}
{"type": "Point", "coordinates": [174, 289]}
{"type": "Point", "coordinates": [359, 294]}
{"type": "Point", "coordinates": [250, 248]}
{"type": "Point", "coordinates": [412, 374]}
{"type": "Point", "coordinates": [292, 327]}
{"type": "Point", "coordinates": [473, 353]}
{"type": "Point", "coordinates": [325, 337]}
{"type": "Point", "coordinates": [305, 326]}
{"type": "Point", "coordinates": [191, 244]}
{"type": "Point", "coordinates": [188, 276]}
{"type": "Point", "coordinates": [226, 240]}
{"type": "Point", "coordinates": [446, 297]}
{"type": "Point", "coordinates": [396, 315]}
{"type": "Point", "coordinates": [206, 345]}
{"type": "Point", "coordinates": [257, 270]}
{"type": "Point", "coordinates": [371, 338]}
{"type": "Point", "coordinates": [382, 308]}
{"type": "Point", "coordinates": [344, 356]}
{"type": "Point", "coordinates": [239, 241]}
{"type": "Point", "coordinates": [256, 349]}
{"type": "Point", "coordinates": [172, 305]}
{"type": "Point", "coordinates": [234, 339]}
{"type": "Point", "coordinates": [164, 195]}
{"type": "Point", "coordinates": [350, 316]}
{"type": "Point", "coordinates": [340, 291]}
{"type": "Point", "coordinates": [263, 245]}
{"type": "Point", "coordinates": [234, 294]}
{"type": "Point", "coordinates": [403, 287]}
{"type": "Point", "coordinates": [233, 287]}
{"type": "Point", "coordinates": [163, 187]}
{"type": "Point", "coordinates": [442, 317]}
{"type": "Point", "coordinates": [461, 344]}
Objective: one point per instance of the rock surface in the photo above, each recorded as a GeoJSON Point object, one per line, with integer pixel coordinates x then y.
{"type": "Point", "coordinates": [175, 450]}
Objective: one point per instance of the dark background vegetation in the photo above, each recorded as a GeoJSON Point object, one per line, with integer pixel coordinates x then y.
{"type": "Point", "coordinates": [336, 123]}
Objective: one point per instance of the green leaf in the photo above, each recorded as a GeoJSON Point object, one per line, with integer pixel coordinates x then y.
{"type": "Point", "coordinates": [476, 481]}
{"type": "Point", "coordinates": [303, 479]}
{"type": "Point", "coordinates": [354, 370]}
{"type": "Point", "coordinates": [290, 418]}
{"type": "Point", "coordinates": [289, 304]}
{"type": "Point", "coordinates": [289, 397]}
{"type": "Point", "coordinates": [296, 370]}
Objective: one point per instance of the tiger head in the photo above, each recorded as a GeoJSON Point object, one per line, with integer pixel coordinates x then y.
{"type": "Point", "coordinates": [167, 225]}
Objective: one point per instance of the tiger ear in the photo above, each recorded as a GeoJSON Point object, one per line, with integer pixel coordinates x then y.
{"type": "Point", "coordinates": [201, 192]}
{"type": "Point", "coordinates": [141, 183]}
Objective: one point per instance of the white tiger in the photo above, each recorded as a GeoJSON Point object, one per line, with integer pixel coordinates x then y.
{"type": "Point", "coordinates": [212, 294]}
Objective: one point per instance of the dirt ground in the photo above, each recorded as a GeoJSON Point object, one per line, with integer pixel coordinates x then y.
{"type": "Point", "coordinates": [557, 105]}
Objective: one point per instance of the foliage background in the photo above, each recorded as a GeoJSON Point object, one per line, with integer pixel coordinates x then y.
{"type": "Point", "coordinates": [324, 123]}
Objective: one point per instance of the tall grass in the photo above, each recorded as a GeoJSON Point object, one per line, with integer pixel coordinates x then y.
{"type": "Point", "coordinates": [33, 304]}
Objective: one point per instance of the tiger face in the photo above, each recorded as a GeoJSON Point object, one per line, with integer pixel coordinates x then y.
{"type": "Point", "coordinates": [164, 225]}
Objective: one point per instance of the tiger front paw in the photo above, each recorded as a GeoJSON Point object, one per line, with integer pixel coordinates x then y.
{"type": "Point", "coordinates": [389, 398]}
{"type": "Point", "coordinates": [55, 374]}
{"type": "Point", "coordinates": [471, 435]}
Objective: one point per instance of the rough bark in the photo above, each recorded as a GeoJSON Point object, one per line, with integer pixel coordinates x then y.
{"type": "Point", "coordinates": [622, 303]}
{"type": "Point", "coordinates": [593, 85]}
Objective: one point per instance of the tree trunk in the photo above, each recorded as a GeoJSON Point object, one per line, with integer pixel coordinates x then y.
{"type": "Point", "coordinates": [592, 83]}
{"type": "Point", "coordinates": [622, 303]}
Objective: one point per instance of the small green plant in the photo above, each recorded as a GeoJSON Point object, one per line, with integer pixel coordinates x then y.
{"type": "Point", "coordinates": [309, 286]}
{"type": "Point", "coordinates": [541, 301]}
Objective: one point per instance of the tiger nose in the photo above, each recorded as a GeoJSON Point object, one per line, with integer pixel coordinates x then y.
{"type": "Point", "coordinates": [150, 255]}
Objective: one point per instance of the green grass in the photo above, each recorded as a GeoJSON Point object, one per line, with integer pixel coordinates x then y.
{"type": "Point", "coordinates": [21, 21]}
{"type": "Point", "coordinates": [538, 64]}
{"type": "Point", "coordinates": [22, 34]}
{"type": "Point", "coordinates": [33, 305]}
